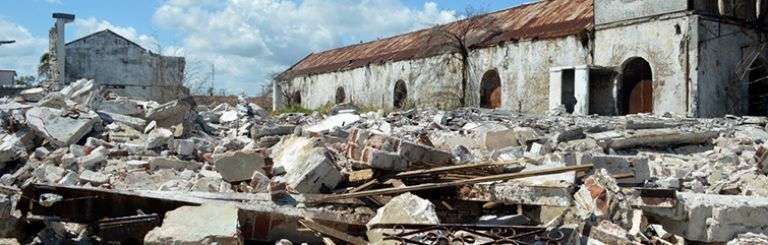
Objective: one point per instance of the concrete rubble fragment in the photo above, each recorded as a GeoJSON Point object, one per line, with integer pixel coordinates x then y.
{"type": "Point", "coordinates": [631, 179]}
{"type": "Point", "coordinates": [206, 224]}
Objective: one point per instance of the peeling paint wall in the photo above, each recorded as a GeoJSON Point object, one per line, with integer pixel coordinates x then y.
{"type": "Point", "coordinates": [608, 11]}
{"type": "Point", "coordinates": [668, 44]}
{"type": "Point", "coordinates": [125, 68]}
{"type": "Point", "coordinates": [436, 81]}
{"type": "Point", "coordinates": [722, 47]}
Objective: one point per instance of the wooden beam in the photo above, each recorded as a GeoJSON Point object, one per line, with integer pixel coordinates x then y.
{"type": "Point", "coordinates": [328, 231]}
{"type": "Point", "coordinates": [492, 178]}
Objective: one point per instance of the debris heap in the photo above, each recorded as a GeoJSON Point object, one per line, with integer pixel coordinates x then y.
{"type": "Point", "coordinates": [81, 166]}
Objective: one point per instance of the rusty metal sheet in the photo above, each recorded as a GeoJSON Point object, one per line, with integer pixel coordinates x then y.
{"type": "Point", "coordinates": [540, 20]}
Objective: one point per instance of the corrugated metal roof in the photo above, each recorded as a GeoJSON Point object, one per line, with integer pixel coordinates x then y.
{"type": "Point", "coordinates": [544, 19]}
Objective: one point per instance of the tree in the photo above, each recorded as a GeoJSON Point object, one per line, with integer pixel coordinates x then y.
{"type": "Point", "coordinates": [25, 81]}
{"type": "Point", "coordinates": [45, 67]}
{"type": "Point", "coordinates": [459, 38]}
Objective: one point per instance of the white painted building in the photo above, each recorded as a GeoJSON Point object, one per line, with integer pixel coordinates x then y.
{"type": "Point", "coordinates": [699, 58]}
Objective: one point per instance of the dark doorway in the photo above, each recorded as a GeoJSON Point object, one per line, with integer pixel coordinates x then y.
{"type": "Point", "coordinates": [296, 98]}
{"type": "Point", "coordinates": [758, 89]}
{"type": "Point", "coordinates": [341, 96]}
{"type": "Point", "coordinates": [401, 94]}
{"type": "Point", "coordinates": [490, 90]}
{"type": "Point", "coordinates": [568, 91]}
{"type": "Point", "coordinates": [636, 93]}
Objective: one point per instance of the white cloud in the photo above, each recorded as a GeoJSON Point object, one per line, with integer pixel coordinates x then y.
{"type": "Point", "coordinates": [89, 25]}
{"type": "Point", "coordinates": [24, 55]}
{"type": "Point", "coordinates": [249, 39]}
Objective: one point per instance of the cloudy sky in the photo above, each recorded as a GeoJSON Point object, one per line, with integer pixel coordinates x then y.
{"type": "Point", "coordinates": [245, 40]}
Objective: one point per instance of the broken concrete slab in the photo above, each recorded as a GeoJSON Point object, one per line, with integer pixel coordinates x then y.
{"type": "Point", "coordinates": [172, 163]}
{"type": "Point", "coordinates": [653, 138]}
{"type": "Point", "coordinates": [340, 120]}
{"type": "Point", "coordinates": [237, 166]}
{"type": "Point", "coordinates": [170, 114]}
{"type": "Point", "coordinates": [159, 137]}
{"type": "Point", "coordinates": [60, 128]}
{"type": "Point", "coordinates": [205, 224]}
{"type": "Point", "coordinates": [133, 122]}
{"type": "Point", "coordinates": [32, 94]}
{"type": "Point", "coordinates": [403, 209]}
{"type": "Point", "coordinates": [94, 178]}
{"type": "Point", "coordinates": [314, 171]}
{"type": "Point", "coordinates": [713, 218]}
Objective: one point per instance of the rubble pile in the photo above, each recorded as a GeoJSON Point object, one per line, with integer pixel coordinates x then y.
{"type": "Point", "coordinates": [85, 166]}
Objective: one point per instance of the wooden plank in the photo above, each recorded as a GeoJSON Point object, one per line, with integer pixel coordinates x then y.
{"type": "Point", "coordinates": [325, 230]}
{"type": "Point", "coordinates": [451, 168]}
{"type": "Point", "coordinates": [500, 177]}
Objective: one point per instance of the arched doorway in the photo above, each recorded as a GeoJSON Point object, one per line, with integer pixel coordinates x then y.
{"type": "Point", "coordinates": [341, 96]}
{"type": "Point", "coordinates": [636, 93]}
{"type": "Point", "coordinates": [400, 95]}
{"type": "Point", "coordinates": [490, 90]}
{"type": "Point", "coordinates": [758, 89]}
{"type": "Point", "coordinates": [296, 98]}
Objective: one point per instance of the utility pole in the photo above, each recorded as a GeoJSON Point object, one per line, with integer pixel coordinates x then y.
{"type": "Point", "coordinates": [213, 77]}
{"type": "Point", "coordinates": [7, 42]}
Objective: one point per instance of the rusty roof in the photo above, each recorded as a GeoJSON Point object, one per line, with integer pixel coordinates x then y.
{"type": "Point", "coordinates": [544, 19]}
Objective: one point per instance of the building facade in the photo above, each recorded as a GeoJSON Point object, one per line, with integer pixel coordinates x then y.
{"type": "Point", "coordinates": [7, 78]}
{"type": "Point", "coordinates": [699, 58]}
{"type": "Point", "coordinates": [125, 68]}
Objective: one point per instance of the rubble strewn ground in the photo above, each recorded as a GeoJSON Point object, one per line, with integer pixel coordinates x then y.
{"type": "Point", "coordinates": [86, 167]}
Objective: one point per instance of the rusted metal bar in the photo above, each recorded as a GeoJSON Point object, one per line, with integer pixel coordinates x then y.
{"type": "Point", "coordinates": [328, 231]}
{"type": "Point", "coordinates": [473, 234]}
{"type": "Point", "coordinates": [430, 186]}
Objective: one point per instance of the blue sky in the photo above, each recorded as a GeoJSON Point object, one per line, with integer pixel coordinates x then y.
{"type": "Point", "coordinates": [246, 40]}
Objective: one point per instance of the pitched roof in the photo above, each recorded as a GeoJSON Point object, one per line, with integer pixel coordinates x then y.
{"type": "Point", "coordinates": [544, 19]}
{"type": "Point", "coordinates": [106, 32]}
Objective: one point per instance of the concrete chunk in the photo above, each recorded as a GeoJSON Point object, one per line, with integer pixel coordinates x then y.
{"type": "Point", "coordinates": [403, 209]}
{"type": "Point", "coordinates": [207, 224]}
{"type": "Point", "coordinates": [94, 177]}
{"type": "Point", "coordinates": [60, 129]}
{"type": "Point", "coordinates": [239, 165]}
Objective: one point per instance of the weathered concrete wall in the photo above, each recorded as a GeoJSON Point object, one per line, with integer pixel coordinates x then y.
{"type": "Point", "coordinates": [524, 70]}
{"type": "Point", "coordinates": [608, 11]}
{"type": "Point", "coordinates": [431, 82]}
{"type": "Point", "coordinates": [125, 68]}
{"type": "Point", "coordinates": [7, 78]}
{"type": "Point", "coordinates": [436, 81]}
{"type": "Point", "coordinates": [721, 49]}
{"type": "Point", "coordinates": [668, 44]}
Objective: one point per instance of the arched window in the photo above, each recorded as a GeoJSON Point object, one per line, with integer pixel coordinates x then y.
{"type": "Point", "coordinates": [490, 90]}
{"type": "Point", "coordinates": [636, 92]}
{"type": "Point", "coordinates": [400, 94]}
{"type": "Point", "coordinates": [296, 98]}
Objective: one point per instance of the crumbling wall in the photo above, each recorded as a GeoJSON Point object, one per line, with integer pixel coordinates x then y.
{"type": "Point", "coordinates": [125, 68]}
{"type": "Point", "coordinates": [668, 44]}
{"type": "Point", "coordinates": [524, 70]}
{"type": "Point", "coordinates": [722, 47]}
{"type": "Point", "coordinates": [607, 11]}
{"type": "Point", "coordinates": [436, 81]}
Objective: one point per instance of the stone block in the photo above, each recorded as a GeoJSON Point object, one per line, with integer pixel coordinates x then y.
{"type": "Point", "coordinates": [403, 209]}
{"type": "Point", "coordinates": [60, 129]}
{"type": "Point", "coordinates": [215, 223]}
{"type": "Point", "coordinates": [239, 165]}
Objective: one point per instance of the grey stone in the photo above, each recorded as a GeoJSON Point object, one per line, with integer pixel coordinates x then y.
{"type": "Point", "coordinates": [403, 209]}
{"type": "Point", "coordinates": [239, 165]}
{"type": "Point", "coordinates": [61, 130]}
{"type": "Point", "coordinates": [207, 224]}
{"type": "Point", "coordinates": [159, 137]}
{"type": "Point", "coordinates": [169, 114]}
{"type": "Point", "coordinates": [94, 177]}
{"type": "Point", "coordinates": [308, 168]}
{"type": "Point", "coordinates": [133, 122]}
{"type": "Point", "coordinates": [32, 94]}
{"type": "Point", "coordinates": [172, 163]}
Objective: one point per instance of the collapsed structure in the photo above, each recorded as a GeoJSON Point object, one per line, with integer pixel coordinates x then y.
{"type": "Point", "coordinates": [116, 63]}
{"type": "Point", "coordinates": [701, 58]}
{"type": "Point", "coordinates": [80, 167]}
